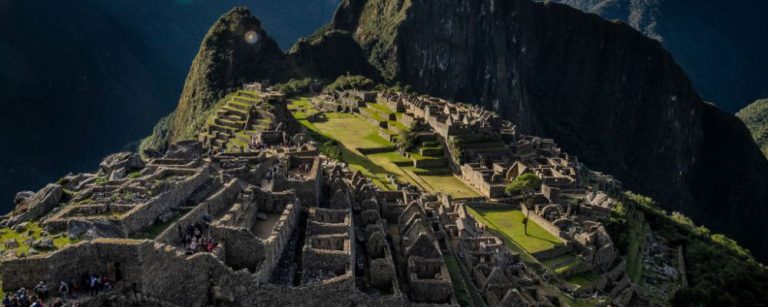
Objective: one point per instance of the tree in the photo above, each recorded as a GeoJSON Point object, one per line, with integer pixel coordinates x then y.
{"type": "Point", "coordinates": [525, 185]}
{"type": "Point", "coordinates": [406, 141]}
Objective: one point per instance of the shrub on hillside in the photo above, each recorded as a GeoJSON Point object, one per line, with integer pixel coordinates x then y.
{"type": "Point", "coordinates": [350, 83]}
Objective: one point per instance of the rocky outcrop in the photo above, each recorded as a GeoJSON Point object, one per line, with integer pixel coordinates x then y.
{"type": "Point", "coordinates": [121, 160]}
{"type": "Point", "coordinates": [185, 150]}
{"type": "Point", "coordinates": [605, 91]}
{"type": "Point", "coordinates": [37, 205]}
{"type": "Point", "coordinates": [88, 230]}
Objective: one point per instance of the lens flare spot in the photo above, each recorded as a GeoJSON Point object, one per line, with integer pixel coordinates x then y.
{"type": "Point", "coordinates": [251, 37]}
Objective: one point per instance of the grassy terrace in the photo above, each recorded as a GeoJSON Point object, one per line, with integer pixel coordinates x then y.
{"type": "Point", "coordinates": [33, 231]}
{"type": "Point", "coordinates": [509, 222]}
{"type": "Point", "coordinates": [353, 132]}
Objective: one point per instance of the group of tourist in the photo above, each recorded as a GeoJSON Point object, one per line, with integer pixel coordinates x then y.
{"type": "Point", "coordinates": [22, 298]}
{"type": "Point", "coordinates": [40, 294]}
{"type": "Point", "coordinates": [195, 241]}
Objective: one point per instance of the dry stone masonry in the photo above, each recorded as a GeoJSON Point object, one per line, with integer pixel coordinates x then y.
{"type": "Point", "coordinates": [285, 225]}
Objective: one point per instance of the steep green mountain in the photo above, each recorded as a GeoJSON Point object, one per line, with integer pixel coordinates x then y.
{"type": "Point", "coordinates": [227, 60]}
{"type": "Point", "coordinates": [612, 96]}
{"type": "Point", "coordinates": [80, 79]}
{"type": "Point", "coordinates": [755, 116]}
{"type": "Point", "coordinates": [720, 44]}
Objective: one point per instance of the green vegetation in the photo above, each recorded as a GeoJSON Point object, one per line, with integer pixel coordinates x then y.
{"type": "Point", "coordinates": [134, 175]}
{"type": "Point", "coordinates": [524, 184]}
{"type": "Point", "coordinates": [160, 136]}
{"type": "Point", "coordinates": [509, 222]}
{"type": "Point", "coordinates": [200, 119]}
{"type": "Point", "coordinates": [32, 232]}
{"type": "Point", "coordinates": [343, 135]}
{"type": "Point", "coordinates": [294, 87]}
{"type": "Point", "coordinates": [755, 116]}
{"type": "Point", "coordinates": [459, 287]}
{"type": "Point", "coordinates": [406, 141]}
{"type": "Point", "coordinates": [156, 229]}
{"type": "Point", "coordinates": [101, 180]}
{"type": "Point", "coordinates": [331, 149]}
{"type": "Point", "coordinates": [719, 272]}
{"type": "Point", "coordinates": [350, 82]}
{"type": "Point", "coordinates": [466, 292]}
{"type": "Point", "coordinates": [584, 279]}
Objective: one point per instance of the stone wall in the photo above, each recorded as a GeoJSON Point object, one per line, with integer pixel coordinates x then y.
{"type": "Point", "coordinates": [214, 205]}
{"type": "Point", "coordinates": [543, 223]}
{"type": "Point", "coordinates": [74, 261]}
{"type": "Point", "coordinates": [244, 250]}
{"type": "Point", "coordinates": [144, 215]}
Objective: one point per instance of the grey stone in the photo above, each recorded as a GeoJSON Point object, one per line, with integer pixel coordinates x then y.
{"type": "Point", "coordinates": [10, 254]}
{"type": "Point", "coordinates": [185, 150]}
{"type": "Point", "coordinates": [223, 294]}
{"type": "Point", "coordinates": [262, 216]}
{"type": "Point", "coordinates": [75, 228]}
{"type": "Point", "coordinates": [22, 196]}
{"type": "Point", "coordinates": [43, 243]}
{"type": "Point", "coordinates": [73, 182]}
{"type": "Point", "coordinates": [11, 243]}
{"type": "Point", "coordinates": [103, 229]}
{"type": "Point", "coordinates": [38, 204]}
{"type": "Point", "coordinates": [20, 227]}
{"type": "Point", "coordinates": [32, 251]}
{"type": "Point", "coordinates": [117, 174]}
{"type": "Point", "coordinates": [166, 216]}
{"type": "Point", "coordinates": [127, 160]}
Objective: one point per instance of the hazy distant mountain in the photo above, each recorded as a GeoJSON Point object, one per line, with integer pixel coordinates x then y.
{"type": "Point", "coordinates": [80, 79]}
{"type": "Point", "coordinates": [721, 45]}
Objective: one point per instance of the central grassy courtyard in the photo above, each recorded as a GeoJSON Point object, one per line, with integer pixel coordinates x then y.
{"type": "Point", "coordinates": [353, 133]}
{"type": "Point", "coordinates": [509, 223]}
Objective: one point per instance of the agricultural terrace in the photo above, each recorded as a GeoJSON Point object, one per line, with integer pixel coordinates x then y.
{"type": "Point", "coordinates": [357, 138]}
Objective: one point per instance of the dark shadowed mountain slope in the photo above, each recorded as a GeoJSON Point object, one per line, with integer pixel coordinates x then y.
{"type": "Point", "coordinates": [720, 44]}
{"type": "Point", "coordinates": [603, 90]}
{"type": "Point", "coordinates": [80, 79]}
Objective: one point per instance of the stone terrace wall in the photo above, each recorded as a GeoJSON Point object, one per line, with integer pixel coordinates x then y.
{"type": "Point", "coordinates": [214, 205]}
{"type": "Point", "coordinates": [159, 271]}
{"type": "Point", "coordinates": [308, 191]}
{"type": "Point", "coordinates": [144, 215]}
{"type": "Point", "coordinates": [244, 250]}
{"type": "Point", "coordinates": [73, 261]}
{"type": "Point", "coordinates": [279, 237]}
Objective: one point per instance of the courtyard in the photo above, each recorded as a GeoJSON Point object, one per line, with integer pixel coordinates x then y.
{"type": "Point", "coordinates": [509, 223]}
{"type": "Point", "coordinates": [355, 135]}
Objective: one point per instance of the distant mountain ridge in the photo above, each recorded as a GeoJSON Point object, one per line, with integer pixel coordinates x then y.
{"type": "Point", "coordinates": [720, 44]}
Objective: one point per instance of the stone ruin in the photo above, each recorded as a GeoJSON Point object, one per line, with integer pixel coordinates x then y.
{"type": "Point", "coordinates": [294, 228]}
